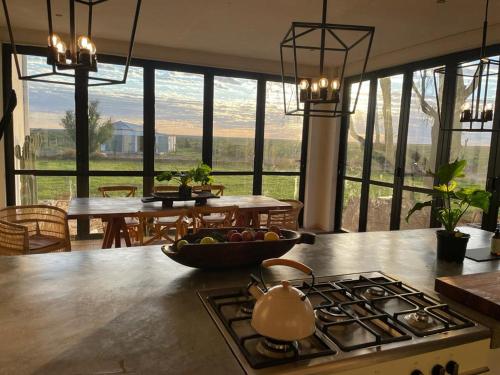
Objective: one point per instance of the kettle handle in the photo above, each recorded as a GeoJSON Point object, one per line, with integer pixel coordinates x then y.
{"type": "Point", "coordinates": [289, 263]}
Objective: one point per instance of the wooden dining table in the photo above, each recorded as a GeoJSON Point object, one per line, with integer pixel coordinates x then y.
{"type": "Point", "coordinates": [115, 210]}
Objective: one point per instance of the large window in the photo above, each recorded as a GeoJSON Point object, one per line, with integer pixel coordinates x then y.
{"type": "Point", "coordinates": [394, 139]}
{"type": "Point", "coordinates": [179, 119]}
{"type": "Point", "coordinates": [282, 147]}
{"type": "Point", "coordinates": [200, 114]}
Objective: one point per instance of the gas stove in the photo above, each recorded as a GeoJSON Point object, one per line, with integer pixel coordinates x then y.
{"type": "Point", "coordinates": [360, 318]}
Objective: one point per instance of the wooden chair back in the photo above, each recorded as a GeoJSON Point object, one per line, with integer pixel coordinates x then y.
{"type": "Point", "coordinates": [213, 217]}
{"type": "Point", "coordinates": [214, 189]}
{"type": "Point", "coordinates": [13, 239]}
{"type": "Point", "coordinates": [121, 190]}
{"type": "Point", "coordinates": [165, 188]}
{"type": "Point", "coordinates": [286, 218]}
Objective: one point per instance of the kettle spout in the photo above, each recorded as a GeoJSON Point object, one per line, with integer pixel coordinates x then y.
{"type": "Point", "coordinates": [254, 290]}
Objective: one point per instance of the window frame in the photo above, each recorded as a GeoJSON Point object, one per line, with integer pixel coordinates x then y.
{"type": "Point", "coordinates": [82, 172]}
{"type": "Point", "coordinates": [450, 61]}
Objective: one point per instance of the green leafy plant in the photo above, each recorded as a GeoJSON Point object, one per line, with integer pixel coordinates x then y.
{"type": "Point", "coordinates": [451, 201]}
{"type": "Point", "coordinates": [200, 173]}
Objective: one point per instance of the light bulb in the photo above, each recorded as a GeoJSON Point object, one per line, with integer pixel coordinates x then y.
{"type": "Point", "coordinates": [335, 84]}
{"type": "Point", "coordinates": [84, 42]}
{"type": "Point", "coordinates": [304, 84]}
{"type": "Point", "coordinates": [92, 48]}
{"type": "Point", "coordinates": [61, 47]}
{"type": "Point", "coordinates": [55, 40]}
{"type": "Point", "coordinates": [466, 107]}
{"type": "Point", "coordinates": [489, 107]}
{"type": "Point", "coordinates": [323, 82]}
{"type": "Point", "coordinates": [315, 87]}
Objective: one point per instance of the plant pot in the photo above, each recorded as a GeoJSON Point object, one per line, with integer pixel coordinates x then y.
{"type": "Point", "coordinates": [451, 248]}
{"type": "Point", "coordinates": [185, 192]}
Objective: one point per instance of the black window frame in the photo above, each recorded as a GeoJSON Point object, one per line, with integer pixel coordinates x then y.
{"type": "Point", "coordinates": [450, 61]}
{"type": "Point", "coordinates": [82, 173]}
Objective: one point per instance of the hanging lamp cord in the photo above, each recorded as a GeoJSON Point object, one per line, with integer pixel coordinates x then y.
{"type": "Point", "coordinates": [485, 30]}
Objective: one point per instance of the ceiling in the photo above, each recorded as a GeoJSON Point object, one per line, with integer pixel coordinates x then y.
{"type": "Point", "coordinates": [254, 28]}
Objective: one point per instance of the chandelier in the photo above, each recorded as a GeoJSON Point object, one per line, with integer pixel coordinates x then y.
{"type": "Point", "coordinates": [476, 111]}
{"type": "Point", "coordinates": [79, 53]}
{"type": "Point", "coordinates": [332, 45]}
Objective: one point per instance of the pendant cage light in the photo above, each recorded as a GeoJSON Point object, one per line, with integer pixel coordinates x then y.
{"type": "Point", "coordinates": [332, 46]}
{"type": "Point", "coordinates": [81, 51]}
{"type": "Point", "coordinates": [476, 112]}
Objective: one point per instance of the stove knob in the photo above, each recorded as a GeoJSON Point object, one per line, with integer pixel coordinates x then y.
{"type": "Point", "coordinates": [438, 370]}
{"type": "Point", "coordinates": [452, 368]}
{"type": "Point", "coordinates": [417, 372]}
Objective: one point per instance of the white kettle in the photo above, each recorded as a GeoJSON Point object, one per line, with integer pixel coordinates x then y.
{"type": "Point", "coordinates": [282, 312]}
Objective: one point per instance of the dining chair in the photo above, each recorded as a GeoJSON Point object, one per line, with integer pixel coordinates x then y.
{"type": "Point", "coordinates": [33, 229]}
{"type": "Point", "coordinates": [133, 223]}
{"type": "Point", "coordinates": [214, 189]}
{"type": "Point", "coordinates": [165, 188]}
{"type": "Point", "coordinates": [213, 217]}
{"type": "Point", "coordinates": [287, 218]}
{"type": "Point", "coordinates": [164, 223]}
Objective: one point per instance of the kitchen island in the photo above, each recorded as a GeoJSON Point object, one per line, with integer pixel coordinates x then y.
{"type": "Point", "coordinates": [136, 311]}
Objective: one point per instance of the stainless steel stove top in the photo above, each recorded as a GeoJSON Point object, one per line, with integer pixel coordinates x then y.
{"type": "Point", "coordinates": [357, 316]}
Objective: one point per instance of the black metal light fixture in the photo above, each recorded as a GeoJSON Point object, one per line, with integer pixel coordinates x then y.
{"type": "Point", "coordinates": [476, 111]}
{"type": "Point", "coordinates": [81, 53]}
{"type": "Point", "coordinates": [331, 45]}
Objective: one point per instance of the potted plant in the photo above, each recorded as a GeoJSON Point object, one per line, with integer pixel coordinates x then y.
{"type": "Point", "coordinates": [200, 174]}
{"type": "Point", "coordinates": [450, 204]}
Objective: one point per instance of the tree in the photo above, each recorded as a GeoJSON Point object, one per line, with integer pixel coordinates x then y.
{"type": "Point", "coordinates": [100, 131]}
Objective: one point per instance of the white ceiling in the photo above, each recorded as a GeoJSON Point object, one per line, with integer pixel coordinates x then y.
{"type": "Point", "coordinates": [254, 28]}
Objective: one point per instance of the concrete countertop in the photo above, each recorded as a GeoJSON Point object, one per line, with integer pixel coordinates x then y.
{"type": "Point", "coordinates": [136, 311]}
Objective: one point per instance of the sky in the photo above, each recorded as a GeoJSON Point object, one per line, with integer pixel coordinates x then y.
{"type": "Point", "coordinates": [178, 107]}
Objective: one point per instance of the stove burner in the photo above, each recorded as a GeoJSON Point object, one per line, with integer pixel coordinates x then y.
{"type": "Point", "coordinates": [420, 320]}
{"type": "Point", "coordinates": [247, 307]}
{"type": "Point", "coordinates": [277, 349]}
{"type": "Point", "coordinates": [373, 292]}
{"type": "Point", "coordinates": [331, 314]}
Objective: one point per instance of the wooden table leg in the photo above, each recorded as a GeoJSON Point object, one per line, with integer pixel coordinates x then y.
{"type": "Point", "coordinates": [107, 241]}
{"type": "Point", "coordinates": [126, 235]}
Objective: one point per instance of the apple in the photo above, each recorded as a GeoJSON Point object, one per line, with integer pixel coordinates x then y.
{"type": "Point", "coordinates": [259, 236]}
{"type": "Point", "coordinates": [236, 237]}
{"type": "Point", "coordinates": [275, 229]}
{"type": "Point", "coordinates": [207, 241]}
{"type": "Point", "coordinates": [230, 233]}
{"type": "Point", "coordinates": [247, 235]}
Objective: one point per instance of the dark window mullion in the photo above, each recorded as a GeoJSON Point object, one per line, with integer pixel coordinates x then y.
{"type": "Point", "coordinates": [10, 184]}
{"type": "Point", "coordinates": [447, 112]}
{"type": "Point", "coordinates": [399, 171]}
{"type": "Point", "coordinates": [208, 119]}
{"type": "Point", "coordinates": [259, 137]}
{"type": "Point", "coordinates": [367, 160]}
{"type": "Point", "coordinates": [341, 165]}
{"type": "Point", "coordinates": [303, 160]}
{"type": "Point", "coordinates": [490, 219]}
{"type": "Point", "coordinates": [149, 129]}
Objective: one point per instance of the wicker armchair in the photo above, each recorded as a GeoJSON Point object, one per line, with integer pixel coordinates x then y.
{"type": "Point", "coordinates": [213, 217]}
{"type": "Point", "coordinates": [45, 230]}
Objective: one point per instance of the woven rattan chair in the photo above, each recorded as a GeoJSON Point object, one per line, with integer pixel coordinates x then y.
{"type": "Point", "coordinates": [213, 217]}
{"type": "Point", "coordinates": [214, 189]}
{"type": "Point", "coordinates": [133, 223]}
{"type": "Point", "coordinates": [285, 218]}
{"type": "Point", "coordinates": [13, 239]}
{"type": "Point", "coordinates": [46, 228]}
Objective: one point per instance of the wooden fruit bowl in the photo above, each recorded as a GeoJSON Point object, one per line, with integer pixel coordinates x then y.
{"type": "Point", "coordinates": [233, 254]}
